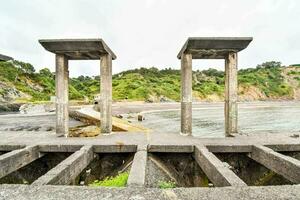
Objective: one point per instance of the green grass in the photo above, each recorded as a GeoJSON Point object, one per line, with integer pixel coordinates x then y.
{"type": "Point", "coordinates": [166, 184]}
{"type": "Point", "coordinates": [119, 181]}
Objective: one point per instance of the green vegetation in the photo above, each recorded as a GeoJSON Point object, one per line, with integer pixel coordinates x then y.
{"type": "Point", "coordinates": [268, 78]}
{"type": "Point", "coordinates": [147, 84]}
{"type": "Point", "coordinates": [166, 184]}
{"type": "Point", "coordinates": [119, 181]}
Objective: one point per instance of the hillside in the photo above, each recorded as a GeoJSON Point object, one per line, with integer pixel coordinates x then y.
{"type": "Point", "coordinates": [269, 81]}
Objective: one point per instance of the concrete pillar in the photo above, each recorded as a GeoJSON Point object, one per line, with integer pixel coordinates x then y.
{"type": "Point", "coordinates": [106, 94]}
{"type": "Point", "coordinates": [186, 94]}
{"type": "Point", "coordinates": [231, 94]}
{"type": "Point", "coordinates": [62, 95]}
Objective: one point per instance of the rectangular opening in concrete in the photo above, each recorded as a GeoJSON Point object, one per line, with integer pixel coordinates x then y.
{"type": "Point", "coordinates": [32, 171]}
{"type": "Point", "coordinates": [250, 171]}
{"type": "Point", "coordinates": [168, 170]}
{"type": "Point", "coordinates": [105, 166]}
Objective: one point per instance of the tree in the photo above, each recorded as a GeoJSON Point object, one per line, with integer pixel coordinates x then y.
{"type": "Point", "coordinates": [25, 67]}
{"type": "Point", "coordinates": [46, 72]}
{"type": "Point", "coordinates": [268, 65]}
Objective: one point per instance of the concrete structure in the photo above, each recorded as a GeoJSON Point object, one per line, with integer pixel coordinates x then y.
{"type": "Point", "coordinates": [18, 150]}
{"type": "Point", "coordinates": [211, 48]}
{"type": "Point", "coordinates": [80, 49]}
{"type": "Point", "coordinates": [5, 58]}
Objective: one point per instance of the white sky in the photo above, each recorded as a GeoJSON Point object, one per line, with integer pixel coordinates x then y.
{"type": "Point", "coordinates": [146, 33]}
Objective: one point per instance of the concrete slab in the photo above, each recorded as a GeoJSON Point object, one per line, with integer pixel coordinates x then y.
{"type": "Point", "coordinates": [12, 192]}
{"type": "Point", "coordinates": [78, 49]}
{"type": "Point", "coordinates": [213, 47]}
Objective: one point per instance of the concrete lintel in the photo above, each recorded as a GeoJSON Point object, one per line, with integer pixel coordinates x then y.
{"type": "Point", "coordinates": [284, 147]}
{"type": "Point", "coordinates": [66, 171]}
{"type": "Point", "coordinates": [78, 49]}
{"type": "Point", "coordinates": [213, 47]}
{"type": "Point", "coordinates": [11, 147]}
{"type": "Point", "coordinates": [171, 148]}
{"type": "Point", "coordinates": [286, 166]}
{"type": "Point", "coordinates": [216, 171]}
{"type": "Point", "coordinates": [59, 148]}
{"type": "Point", "coordinates": [137, 174]}
{"type": "Point", "coordinates": [115, 148]}
{"type": "Point", "coordinates": [16, 159]}
{"type": "Point", "coordinates": [229, 148]}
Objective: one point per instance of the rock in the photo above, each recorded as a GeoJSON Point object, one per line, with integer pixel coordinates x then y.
{"type": "Point", "coordinates": [9, 93]}
{"type": "Point", "coordinates": [87, 131]}
{"type": "Point", "coordinates": [9, 107]}
{"type": "Point", "coordinates": [119, 116]}
{"type": "Point", "coordinates": [141, 117]}
{"type": "Point", "coordinates": [295, 136]}
{"type": "Point", "coordinates": [36, 108]}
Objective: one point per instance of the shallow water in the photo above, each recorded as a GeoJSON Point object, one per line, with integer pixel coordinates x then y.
{"type": "Point", "coordinates": [208, 121]}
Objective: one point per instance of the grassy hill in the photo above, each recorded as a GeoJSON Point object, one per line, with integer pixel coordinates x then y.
{"type": "Point", "coordinates": [20, 83]}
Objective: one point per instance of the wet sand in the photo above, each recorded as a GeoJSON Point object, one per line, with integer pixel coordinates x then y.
{"type": "Point", "coordinates": [208, 118]}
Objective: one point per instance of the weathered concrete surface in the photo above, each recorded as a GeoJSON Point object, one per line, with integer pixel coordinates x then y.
{"type": "Point", "coordinates": [231, 94]}
{"type": "Point", "coordinates": [213, 47]}
{"type": "Point", "coordinates": [12, 192]}
{"type": "Point", "coordinates": [137, 173]}
{"type": "Point", "coordinates": [62, 94]}
{"type": "Point", "coordinates": [286, 166]}
{"type": "Point", "coordinates": [16, 159]}
{"type": "Point", "coordinates": [106, 94]}
{"type": "Point", "coordinates": [186, 94]}
{"type": "Point", "coordinates": [67, 171]}
{"type": "Point", "coordinates": [216, 171]}
{"type": "Point", "coordinates": [78, 49]}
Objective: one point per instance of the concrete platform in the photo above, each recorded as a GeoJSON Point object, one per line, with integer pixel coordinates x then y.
{"type": "Point", "coordinates": [140, 144]}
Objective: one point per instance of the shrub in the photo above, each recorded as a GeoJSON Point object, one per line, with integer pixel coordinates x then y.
{"type": "Point", "coordinates": [166, 184]}
{"type": "Point", "coordinates": [119, 181]}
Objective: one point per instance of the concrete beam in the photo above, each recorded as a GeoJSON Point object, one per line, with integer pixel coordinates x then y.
{"type": "Point", "coordinates": [171, 148]}
{"type": "Point", "coordinates": [16, 159]}
{"type": "Point", "coordinates": [66, 171]}
{"type": "Point", "coordinates": [286, 166]}
{"type": "Point", "coordinates": [216, 171]}
{"type": "Point", "coordinates": [237, 148]}
{"type": "Point", "coordinates": [62, 95]}
{"type": "Point", "coordinates": [137, 174]}
{"type": "Point", "coordinates": [186, 94]}
{"type": "Point", "coordinates": [231, 94]}
{"type": "Point", "coordinates": [106, 94]}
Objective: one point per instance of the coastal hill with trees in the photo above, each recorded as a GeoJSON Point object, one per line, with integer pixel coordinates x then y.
{"type": "Point", "coordinates": [19, 82]}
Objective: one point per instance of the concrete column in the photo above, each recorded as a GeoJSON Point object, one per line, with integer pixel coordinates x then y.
{"type": "Point", "coordinates": [231, 94]}
{"type": "Point", "coordinates": [106, 94]}
{"type": "Point", "coordinates": [62, 95]}
{"type": "Point", "coordinates": [186, 94]}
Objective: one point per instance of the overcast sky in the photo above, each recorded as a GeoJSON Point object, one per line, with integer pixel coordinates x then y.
{"type": "Point", "coordinates": [146, 33]}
